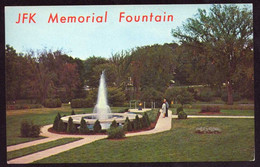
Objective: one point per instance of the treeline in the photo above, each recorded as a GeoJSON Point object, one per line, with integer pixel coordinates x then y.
{"type": "Point", "coordinates": [210, 51]}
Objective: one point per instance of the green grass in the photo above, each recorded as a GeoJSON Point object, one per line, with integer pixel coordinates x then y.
{"type": "Point", "coordinates": [223, 112]}
{"type": "Point", "coordinates": [45, 116]}
{"type": "Point", "coordinates": [40, 147]}
{"type": "Point", "coordinates": [40, 116]}
{"type": "Point", "coordinates": [181, 144]}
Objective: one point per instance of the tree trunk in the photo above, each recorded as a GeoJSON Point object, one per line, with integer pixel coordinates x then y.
{"type": "Point", "coordinates": [229, 93]}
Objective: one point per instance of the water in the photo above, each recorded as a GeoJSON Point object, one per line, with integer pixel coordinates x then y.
{"type": "Point", "coordinates": [102, 109]}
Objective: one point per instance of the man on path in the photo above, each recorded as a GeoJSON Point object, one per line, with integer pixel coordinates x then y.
{"type": "Point", "coordinates": [167, 107]}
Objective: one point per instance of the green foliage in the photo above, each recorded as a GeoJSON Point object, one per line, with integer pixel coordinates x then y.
{"type": "Point", "coordinates": [97, 127]}
{"type": "Point", "coordinates": [116, 133]}
{"type": "Point", "coordinates": [127, 125]}
{"type": "Point", "coordinates": [71, 128]}
{"type": "Point", "coordinates": [22, 106]}
{"type": "Point", "coordinates": [182, 115]}
{"type": "Point", "coordinates": [215, 109]}
{"type": "Point", "coordinates": [61, 126]}
{"type": "Point", "coordinates": [236, 97]}
{"type": "Point", "coordinates": [206, 95]}
{"type": "Point", "coordinates": [150, 94]}
{"type": "Point", "coordinates": [52, 103]}
{"type": "Point", "coordinates": [179, 109]}
{"type": "Point", "coordinates": [137, 123]}
{"type": "Point", "coordinates": [208, 62]}
{"type": "Point", "coordinates": [185, 97]}
{"type": "Point", "coordinates": [145, 120]}
{"type": "Point", "coordinates": [72, 112]}
{"type": "Point", "coordinates": [29, 129]}
{"type": "Point", "coordinates": [113, 124]}
{"type": "Point", "coordinates": [83, 127]}
{"type": "Point", "coordinates": [116, 97]}
{"type": "Point", "coordinates": [81, 103]}
{"type": "Point", "coordinates": [181, 95]}
{"type": "Point", "coordinates": [56, 122]}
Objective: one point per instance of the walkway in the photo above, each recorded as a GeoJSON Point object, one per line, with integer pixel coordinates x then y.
{"type": "Point", "coordinates": [163, 124]}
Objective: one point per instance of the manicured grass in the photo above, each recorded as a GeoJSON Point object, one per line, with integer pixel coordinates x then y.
{"type": "Point", "coordinates": [40, 147]}
{"type": "Point", "coordinates": [222, 112]}
{"type": "Point", "coordinates": [40, 116]}
{"type": "Point", "coordinates": [181, 144]}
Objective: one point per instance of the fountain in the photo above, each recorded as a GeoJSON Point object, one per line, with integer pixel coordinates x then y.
{"type": "Point", "coordinates": [101, 110]}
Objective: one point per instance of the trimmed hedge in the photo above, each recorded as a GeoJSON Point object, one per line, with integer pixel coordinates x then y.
{"type": "Point", "coordinates": [113, 124]}
{"type": "Point", "coordinates": [56, 122]}
{"type": "Point", "coordinates": [52, 103]}
{"type": "Point", "coordinates": [71, 128]}
{"type": "Point", "coordinates": [116, 133]}
{"type": "Point", "coordinates": [128, 125]}
{"type": "Point", "coordinates": [97, 127]}
{"type": "Point", "coordinates": [81, 103]}
{"type": "Point", "coordinates": [83, 127]}
{"type": "Point", "coordinates": [214, 109]}
{"type": "Point", "coordinates": [29, 129]}
{"type": "Point", "coordinates": [22, 106]}
{"type": "Point", "coordinates": [182, 115]}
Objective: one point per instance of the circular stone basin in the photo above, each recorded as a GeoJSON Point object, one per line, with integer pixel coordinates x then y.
{"type": "Point", "coordinates": [91, 118]}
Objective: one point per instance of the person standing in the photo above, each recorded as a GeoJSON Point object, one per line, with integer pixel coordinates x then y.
{"type": "Point", "coordinates": [167, 107]}
{"type": "Point", "coordinates": [163, 109]}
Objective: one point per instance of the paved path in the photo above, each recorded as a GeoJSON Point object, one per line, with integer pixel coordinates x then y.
{"type": "Point", "coordinates": [163, 124]}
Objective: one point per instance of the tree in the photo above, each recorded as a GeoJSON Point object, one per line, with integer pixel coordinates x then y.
{"type": "Point", "coordinates": [70, 79]}
{"type": "Point", "coordinates": [89, 65]}
{"type": "Point", "coordinates": [221, 40]}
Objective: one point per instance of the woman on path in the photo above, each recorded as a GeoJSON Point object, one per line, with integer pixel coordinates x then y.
{"type": "Point", "coordinates": [163, 109]}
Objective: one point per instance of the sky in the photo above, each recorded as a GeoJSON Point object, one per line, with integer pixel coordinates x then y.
{"type": "Point", "coordinates": [82, 40]}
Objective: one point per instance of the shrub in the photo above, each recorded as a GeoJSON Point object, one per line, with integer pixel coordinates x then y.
{"type": "Point", "coordinates": [113, 124]}
{"type": "Point", "coordinates": [52, 103]}
{"type": "Point", "coordinates": [116, 133]}
{"type": "Point", "coordinates": [128, 125]}
{"type": "Point", "coordinates": [139, 124]}
{"type": "Point", "coordinates": [83, 126]}
{"type": "Point", "coordinates": [179, 109]}
{"type": "Point", "coordinates": [182, 115]}
{"type": "Point", "coordinates": [236, 97]}
{"type": "Point", "coordinates": [215, 109]}
{"type": "Point", "coordinates": [61, 126]}
{"type": "Point", "coordinates": [71, 128]}
{"type": "Point", "coordinates": [81, 103]}
{"type": "Point", "coordinates": [72, 112]}
{"type": "Point", "coordinates": [206, 95]}
{"type": "Point", "coordinates": [29, 129]}
{"type": "Point", "coordinates": [146, 120]}
{"type": "Point", "coordinates": [97, 127]}
{"type": "Point", "coordinates": [56, 122]}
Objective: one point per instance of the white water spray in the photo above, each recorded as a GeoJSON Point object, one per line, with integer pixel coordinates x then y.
{"type": "Point", "coordinates": [102, 109]}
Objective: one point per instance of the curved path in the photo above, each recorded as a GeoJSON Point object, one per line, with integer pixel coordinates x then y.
{"type": "Point", "coordinates": [163, 124]}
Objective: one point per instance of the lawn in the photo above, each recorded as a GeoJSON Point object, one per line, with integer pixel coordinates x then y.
{"type": "Point", "coordinates": [180, 144]}
{"type": "Point", "coordinates": [40, 116]}
{"type": "Point", "coordinates": [40, 147]}
{"type": "Point", "coordinates": [45, 116]}
{"type": "Point", "coordinates": [222, 112]}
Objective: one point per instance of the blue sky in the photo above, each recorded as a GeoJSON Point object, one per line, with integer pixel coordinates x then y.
{"type": "Point", "coordinates": [83, 40]}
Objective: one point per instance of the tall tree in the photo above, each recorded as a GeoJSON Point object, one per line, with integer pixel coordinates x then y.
{"type": "Point", "coordinates": [89, 65]}
{"type": "Point", "coordinates": [222, 40]}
